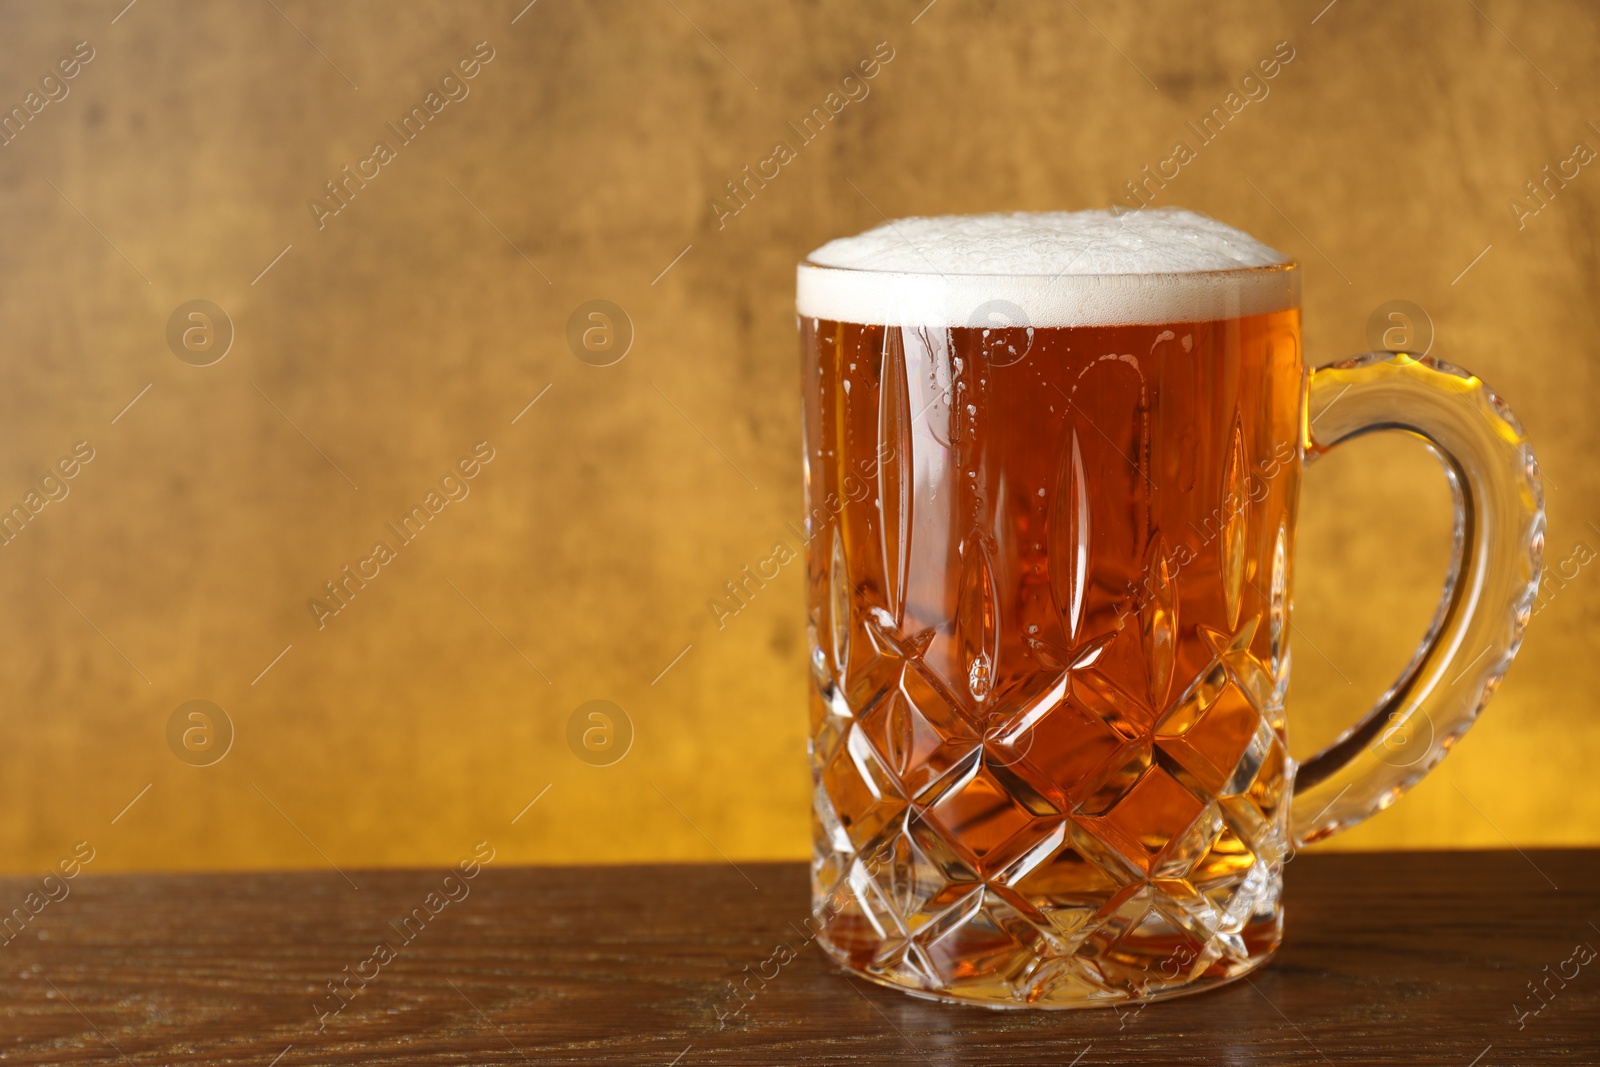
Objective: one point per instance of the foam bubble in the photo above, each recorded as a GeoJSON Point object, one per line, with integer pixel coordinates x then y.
{"type": "Point", "coordinates": [1081, 268]}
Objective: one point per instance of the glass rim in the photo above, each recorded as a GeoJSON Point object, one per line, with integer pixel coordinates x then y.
{"type": "Point", "coordinates": [1288, 266]}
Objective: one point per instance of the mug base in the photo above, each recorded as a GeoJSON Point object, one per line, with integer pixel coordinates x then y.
{"type": "Point", "coordinates": [1068, 983]}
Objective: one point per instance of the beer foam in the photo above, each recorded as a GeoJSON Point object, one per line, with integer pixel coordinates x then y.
{"type": "Point", "coordinates": [1060, 268]}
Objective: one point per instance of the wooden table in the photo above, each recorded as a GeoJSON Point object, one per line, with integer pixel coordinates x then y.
{"type": "Point", "coordinates": [1397, 958]}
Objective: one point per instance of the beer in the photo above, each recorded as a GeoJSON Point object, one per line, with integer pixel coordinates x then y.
{"type": "Point", "coordinates": [1051, 523]}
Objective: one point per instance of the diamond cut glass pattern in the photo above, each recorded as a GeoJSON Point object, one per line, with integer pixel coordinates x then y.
{"type": "Point", "coordinates": [917, 728]}
{"type": "Point", "coordinates": [1049, 608]}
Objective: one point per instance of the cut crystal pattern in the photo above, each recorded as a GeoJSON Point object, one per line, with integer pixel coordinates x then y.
{"type": "Point", "coordinates": [1047, 731]}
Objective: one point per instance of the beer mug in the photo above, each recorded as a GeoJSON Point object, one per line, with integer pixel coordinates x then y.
{"type": "Point", "coordinates": [1051, 470]}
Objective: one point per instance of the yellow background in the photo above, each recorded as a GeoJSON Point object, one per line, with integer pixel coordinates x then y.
{"type": "Point", "coordinates": [419, 321]}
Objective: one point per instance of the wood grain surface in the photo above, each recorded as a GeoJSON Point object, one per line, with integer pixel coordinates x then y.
{"type": "Point", "coordinates": [374, 349]}
{"type": "Point", "coordinates": [1416, 958]}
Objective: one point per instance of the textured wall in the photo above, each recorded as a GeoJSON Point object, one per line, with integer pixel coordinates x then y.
{"type": "Point", "coordinates": [578, 164]}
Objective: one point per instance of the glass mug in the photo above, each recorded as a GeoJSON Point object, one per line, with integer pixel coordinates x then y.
{"type": "Point", "coordinates": [1051, 525]}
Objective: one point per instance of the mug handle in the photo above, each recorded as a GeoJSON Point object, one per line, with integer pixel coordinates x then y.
{"type": "Point", "coordinates": [1488, 592]}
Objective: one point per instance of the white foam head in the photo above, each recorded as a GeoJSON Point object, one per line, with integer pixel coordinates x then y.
{"type": "Point", "coordinates": [1060, 268]}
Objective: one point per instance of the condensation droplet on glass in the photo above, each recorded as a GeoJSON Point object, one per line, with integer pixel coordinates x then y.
{"type": "Point", "coordinates": [972, 409]}
{"type": "Point", "coordinates": [846, 384]}
{"type": "Point", "coordinates": [978, 680]}
{"type": "Point", "coordinates": [976, 619]}
{"type": "Point", "coordinates": [1188, 343]}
